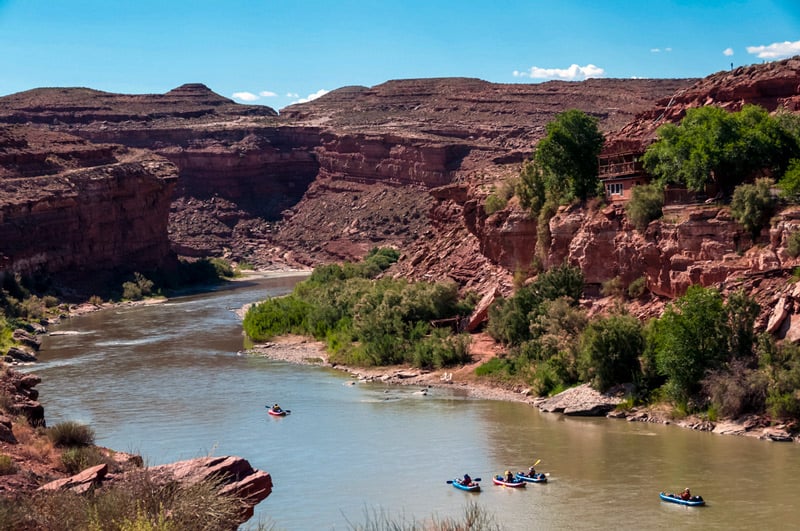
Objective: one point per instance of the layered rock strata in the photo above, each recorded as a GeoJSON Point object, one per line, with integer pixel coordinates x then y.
{"type": "Point", "coordinates": [68, 205]}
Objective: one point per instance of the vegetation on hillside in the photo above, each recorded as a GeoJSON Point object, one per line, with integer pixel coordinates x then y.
{"type": "Point", "coordinates": [712, 146]}
{"type": "Point", "coordinates": [563, 167]}
{"type": "Point", "coordinates": [367, 321]}
{"type": "Point", "coordinates": [702, 353]}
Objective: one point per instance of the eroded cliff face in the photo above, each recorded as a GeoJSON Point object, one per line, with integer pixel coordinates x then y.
{"type": "Point", "coordinates": [409, 164]}
{"type": "Point", "coordinates": [68, 205]}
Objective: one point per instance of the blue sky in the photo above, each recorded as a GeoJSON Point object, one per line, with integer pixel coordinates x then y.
{"type": "Point", "coordinates": [279, 52]}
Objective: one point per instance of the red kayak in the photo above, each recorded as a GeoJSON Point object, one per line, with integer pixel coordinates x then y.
{"type": "Point", "coordinates": [280, 412]}
{"type": "Point", "coordinates": [499, 480]}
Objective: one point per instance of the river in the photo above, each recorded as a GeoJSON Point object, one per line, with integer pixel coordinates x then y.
{"type": "Point", "coordinates": [167, 381]}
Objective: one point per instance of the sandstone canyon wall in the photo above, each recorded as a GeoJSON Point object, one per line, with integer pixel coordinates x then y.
{"type": "Point", "coordinates": [70, 206]}
{"type": "Point", "coordinates": [409, 163]}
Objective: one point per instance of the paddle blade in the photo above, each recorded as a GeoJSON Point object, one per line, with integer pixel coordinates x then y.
{"type": "Point", "coordinates": [449, 481]}
{"type": "Point", "coordinates": [537, 462]}
{"type": "Point", "coordinates": [476, 479]}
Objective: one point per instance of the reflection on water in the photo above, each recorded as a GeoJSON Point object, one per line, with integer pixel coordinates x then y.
{"type": "Point", "coordinates": [166, 381]}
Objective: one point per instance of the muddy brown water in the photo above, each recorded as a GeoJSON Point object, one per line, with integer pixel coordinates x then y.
{"type": "Point", "coordinates": [168, 381]}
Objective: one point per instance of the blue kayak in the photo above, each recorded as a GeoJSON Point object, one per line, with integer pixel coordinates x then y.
{"type": "Point", "coordinates": [536, 478]}
{"type": "Point", "coordinates": [694, 501]}
{"type": "Point", "coordinates": [472, 487]}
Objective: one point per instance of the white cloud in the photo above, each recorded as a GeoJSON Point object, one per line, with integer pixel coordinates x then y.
{"type": "Point", "coordinates": [573, 73]}
{"type": "Point", "coordinates": [267, 94]}
{"type": "Point", "coordinates": [655, 50]}
{"type": "Point", "coordinates": [310, 97]}
{"type": "Point", "coordinates": [667, 50]}
{"type": "Point", "coordinates": [658, 50]}
{"type": "Point", "coordinates": [776, 50]}
{"type": "Point", "coordinates": [727, 52]}
{"type": "Point", "coordinates": [245, 96]}
{"type": "Point", "coordinates": [292, 95]}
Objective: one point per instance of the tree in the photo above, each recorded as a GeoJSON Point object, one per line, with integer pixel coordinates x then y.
{"type": "Point", "coordinates": [567, 155]}
{"type": "Point", "coordinates": [690, 338]}
{"type": "Point", "coordinates": [645, 205]}
{"type": "Point", "coordinates": [713, 146]}
{"type": "Point", "coordinates": [753, 205]}
{"type": "Point", "coordinates": [610, 349]}
{"type": "Point", "coordinates": [790, 182]}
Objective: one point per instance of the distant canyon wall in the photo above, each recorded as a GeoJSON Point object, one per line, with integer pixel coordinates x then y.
{"type": "Point", "coordinates": [63, 209]}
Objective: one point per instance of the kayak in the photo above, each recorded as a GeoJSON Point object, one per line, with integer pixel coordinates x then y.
{"type": "Point", "coordinates": [498, 480]}
{"type": "Point", "coordinates": [538, 477]}
{"type": "Point", "coordinates": [473, 487]}
{"type": "Point", "coordinates": [694, 501]}
{"type": "Point", "coordinates": [278, 413]}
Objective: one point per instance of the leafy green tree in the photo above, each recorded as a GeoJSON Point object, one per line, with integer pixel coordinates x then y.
{"type": "Point", "coordinates": [690, 338]}
{"type": "Point", "coordinates": [753, 205]}
{"type": "Point", "coordinates": [742, 312]}
{"type": "Point", "coordinates": [510, 319]}
{"type": "Point", "coordinates": [531, 188]}
{"type": "Point", "coordinates": [610, 349]}
{"type": "Point", "coordinates": [714, 146]}
{"type": "Point", "coordinates": [790, 182]}
{"type": "Point", "coordinates": [567, 155]}
{"type": "Point", "coordinates": [645, 205]}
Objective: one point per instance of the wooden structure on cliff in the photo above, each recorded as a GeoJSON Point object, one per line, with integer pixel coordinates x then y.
{"type": "Point", "coordinates": [620, 172]}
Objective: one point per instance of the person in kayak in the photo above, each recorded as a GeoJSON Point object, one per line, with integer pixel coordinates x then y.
{"type": "Point", "coordinates": [276, 408]}
{"type": "Point", "coordinates": [509, 476]}
{"type": "Point", "coordinates": [467, 481]}
{"type": "Point", "coordinates": [531, 471]}
{"type": "Point", "coordinates": [686, 494]}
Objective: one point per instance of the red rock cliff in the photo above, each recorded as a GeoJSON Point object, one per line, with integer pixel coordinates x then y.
{"type": "Point", "coordinates": [68, 205]}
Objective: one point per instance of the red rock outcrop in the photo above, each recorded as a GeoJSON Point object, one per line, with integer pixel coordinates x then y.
{"type": "Point", "coordinates": [409, 163]}
{"type": "Point", "coordinates": [68, 205]}
{"type": "Point", "coordinates": [241, 166]}
{"type": "Point", "coordinates": [774, 85]}
{"type": "Point", "coordinates": [234, 475]}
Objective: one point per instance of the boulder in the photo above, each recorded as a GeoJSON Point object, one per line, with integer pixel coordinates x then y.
{"type": "Point", "coordinates": [27, 339]}
{"type": "Point", "coordinates": [580, 401]}
{"type": "Point", "coordinates": [235, 475]}
{"type": "Point", "coordinates": [20, 355]}
{"type": "Point", "coordinates": [80, 483]}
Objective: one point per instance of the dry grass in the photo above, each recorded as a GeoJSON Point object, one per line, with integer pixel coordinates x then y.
{"type": "Point", "coordinates": [35, 445]}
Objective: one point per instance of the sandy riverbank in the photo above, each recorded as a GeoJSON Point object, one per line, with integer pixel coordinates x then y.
{"type": "Point", "coordinates": [301, 350]}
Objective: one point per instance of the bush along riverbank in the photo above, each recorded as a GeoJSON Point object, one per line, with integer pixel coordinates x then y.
{"type": "Point", "coordinates": [701, 364]}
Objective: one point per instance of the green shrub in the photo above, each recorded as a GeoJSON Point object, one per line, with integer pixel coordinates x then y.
{"type": "Point", "coordinates": [138, 288]}
{"type": "Point", "coordinates": [753, 205]}
{"type": "Point", "coordinates": [96, 300]}
{"type": "Point", "coordinates": [790, 182]}
{"type": "Point", "coordinates": [222, 268]}
{"type": "Point", "coordinates": [7, 465]}
{"type": "Point", "coordinates": [637, 287]}
{"type": "Point", "coordinates": [793, 244]}
{"type": "Point", "coordinates": [493, 367]}
{"type": "Point", "coordinates": [71, 433]}
{"type": "Point", "coordinates": [612, 288]}
{"type": "Point", "coordinates": [276, 316]}
{"type": "Point", "coordinates": [645, 205]}
{"type": "Point", "coordinates": [783, 405]}
{"type": "Point", "coordinates": [610, 349]}
{"type": "Point", "coordinates": [440, 349]}
{"type": "Point", "coordinates": [493, 204]}
{"type": "Point", "coordinates": [78, 458]}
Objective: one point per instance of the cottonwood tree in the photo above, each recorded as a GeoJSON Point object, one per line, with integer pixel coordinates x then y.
{"type": "Point", "coordinates": [564, 165]}
{"type": "Point", "coordinates": [714, 146]}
